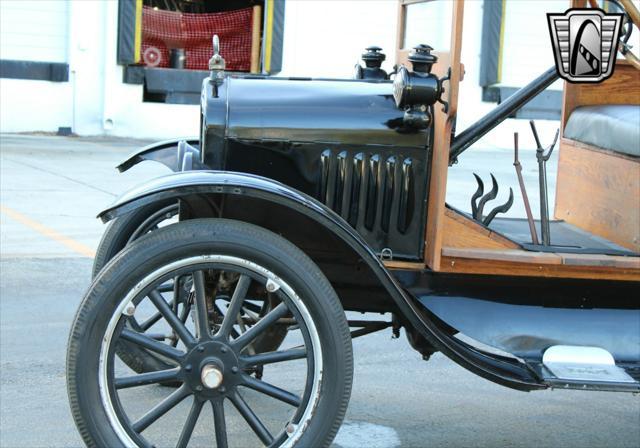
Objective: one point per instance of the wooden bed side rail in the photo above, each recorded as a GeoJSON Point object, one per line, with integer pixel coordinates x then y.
{"type": "Point", "coordinates": [599, 191]}
{"type": "Point", "coordinates": [534, 264]}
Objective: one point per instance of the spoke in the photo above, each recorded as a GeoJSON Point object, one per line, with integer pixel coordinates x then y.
{"type": "Point", "coordinates": [219, 422]}
{"type": "Point", "coordinates": [252, 317]}
{"type": "Point", "coordinates": [202, 315]}
{"type": "Point", "coordinates": [251, 418]}
{"type": "Point", "coordinates": [174, 303]}
{"type": "Point", "coordinates": [161, 408]}
{"type": "Point", "coordinates": [269, 319]}
{"type": "Point", "coordinates": [190, 424]}
{"type": "Point", "coordinates": [148, 343]}
{"type": "Point", "coordinates": [250, 349]}
{"type": "Point", "coordinates": [147, 378]}
{"type": "Point", "coordinates": [271, 390]}
{"type": "Point", "coordinates": [233, 332]}
{"type": "Point", "coordinates": [252, 307]}
{"type": "Point", "coordinates": [167, 287]}
{"type": "Point", "coordinates": [133, 323]}
{"type": "Point", "coordinates": [235, 305]}
{"type": "Point", "coordinates": [144, 326]}
{"type": "Point", "coordinates": [173, 320]}
{"type": "Point", "coordinates": [184, 314]}
{"type": "Point", "coordinates": [158, 336]}
{"type": "Point", "coordinates": [273, 357]}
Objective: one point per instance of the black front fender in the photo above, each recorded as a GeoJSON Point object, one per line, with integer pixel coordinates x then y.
{"type": "Point", "coordinates": [176, 154]}
{"type": "Point", "coordinates": [194, 183]}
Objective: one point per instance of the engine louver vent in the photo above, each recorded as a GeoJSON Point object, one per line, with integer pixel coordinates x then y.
{"type": "Point", "coordinates": [373, 192]}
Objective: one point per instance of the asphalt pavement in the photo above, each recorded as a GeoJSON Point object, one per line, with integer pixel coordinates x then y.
{"type": "Point", "coordinates": [51, 188]}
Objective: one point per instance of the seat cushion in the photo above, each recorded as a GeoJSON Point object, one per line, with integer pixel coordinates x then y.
{"type": "Point", "coordinates": [615, 127]}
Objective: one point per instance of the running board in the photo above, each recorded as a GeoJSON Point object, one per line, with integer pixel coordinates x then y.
{"type": "Point", "coordinates": [585, 368]}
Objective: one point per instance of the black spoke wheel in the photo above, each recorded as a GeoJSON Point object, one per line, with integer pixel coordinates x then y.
{"type": "Point", "coordinates": [243, 282]}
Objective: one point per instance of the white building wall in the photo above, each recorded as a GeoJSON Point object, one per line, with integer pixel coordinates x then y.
{"type": "Point", "coordinates": [527, 47]}
{"type": "Point", "coordinates": [87, 42]}
{"type": "Point", "coordinates": [325, 39]}
{"type": "Point", "coordinates": [34, 31]}
{"type": "Point", "coordinates": [27, 106]}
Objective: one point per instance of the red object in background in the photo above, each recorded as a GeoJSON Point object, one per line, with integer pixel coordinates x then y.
{"type": "Point", "coordinates": [164, 30]}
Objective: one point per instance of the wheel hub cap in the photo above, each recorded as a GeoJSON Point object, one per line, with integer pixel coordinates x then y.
{"type": "Point", "coordinates": [211, 369]}
{"type": "Point", "coordinates": [211, 376]}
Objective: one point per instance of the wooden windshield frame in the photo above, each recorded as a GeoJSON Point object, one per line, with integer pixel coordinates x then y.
{"type": "Point", "coordinates": [443, 123]}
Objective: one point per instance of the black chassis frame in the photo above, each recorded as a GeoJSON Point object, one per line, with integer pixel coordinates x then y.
{"type": "Point", "coordinates": [353, 267]}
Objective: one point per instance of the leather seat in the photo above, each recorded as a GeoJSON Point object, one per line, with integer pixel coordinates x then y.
{"type": "Point", "coordinates": [614, 127]}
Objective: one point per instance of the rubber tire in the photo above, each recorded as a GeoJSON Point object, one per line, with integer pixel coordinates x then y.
{"type": "Point", "coordinates": [208, 236]}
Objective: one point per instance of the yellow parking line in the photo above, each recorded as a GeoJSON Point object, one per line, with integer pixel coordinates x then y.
{"type": "Point", "coordinates": [72, 244]}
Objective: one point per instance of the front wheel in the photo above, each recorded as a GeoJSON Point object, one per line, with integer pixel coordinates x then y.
{"type": "Point", "coordinates": [228, 393]}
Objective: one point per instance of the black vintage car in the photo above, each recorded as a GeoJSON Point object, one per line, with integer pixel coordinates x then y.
{"type": "Point", "coordinates": [227, 282]}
